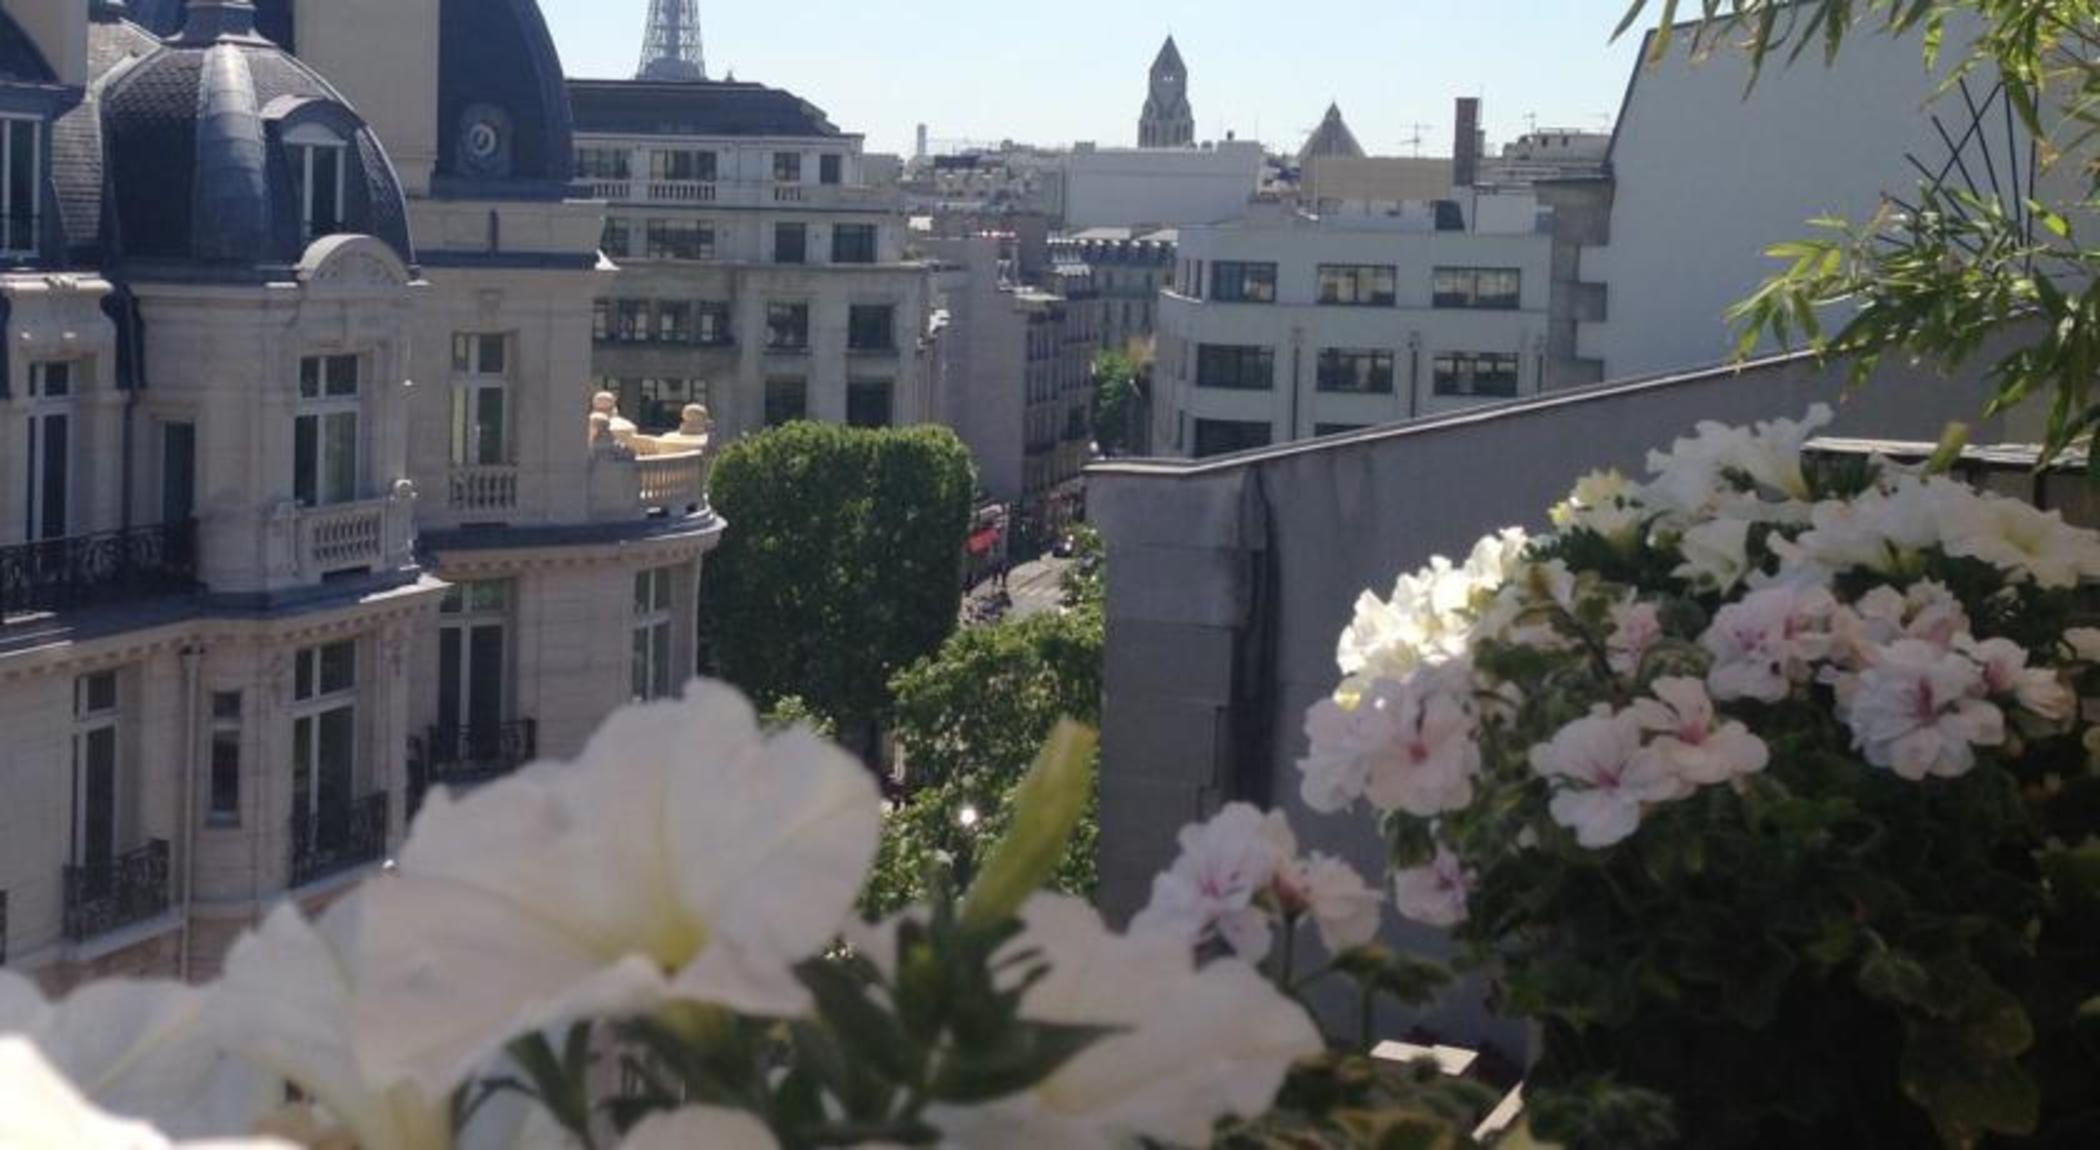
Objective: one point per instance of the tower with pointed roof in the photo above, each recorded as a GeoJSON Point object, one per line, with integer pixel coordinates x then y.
{"type": "Point", "coordinates": [671, 46]}
{"type": "Point", "coordinates": [1331, 138]}
{"type": "Point", "coordinates": [1168, 121]}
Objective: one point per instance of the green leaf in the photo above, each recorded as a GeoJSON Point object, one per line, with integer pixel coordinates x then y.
{"type": "Point", "coordinates": [1047, 808]}
{"type": "Point", "coordinates": [1030, 1053]}
{"type": "Point", "coordinates": [865, 1031]}
{"type": "Point", "coordinates": [1968, 1097]}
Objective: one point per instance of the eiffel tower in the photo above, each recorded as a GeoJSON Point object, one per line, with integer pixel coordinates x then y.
{"type": "Point", "coordinates": [671, 46]}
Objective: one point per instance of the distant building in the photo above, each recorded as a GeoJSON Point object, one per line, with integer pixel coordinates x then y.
{"type": "Point", "coordinates": [1018, 363]}
{"type": "Point", "coordinates": [1331, 138]}
{"type": "Point", "coordinates": [1285, 325]}
{"type": "Point", "coordinates": [1129, 267]}
{"type": "Point", "coordinates": [1160, 187]}
{"type": "Point", "coordinates": [760, 273]}
{"type": "Point", "coordinates": [1168, 121]}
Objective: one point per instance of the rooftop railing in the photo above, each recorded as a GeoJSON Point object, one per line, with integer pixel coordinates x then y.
{"type": "Point", "coordinates": [80, 571]}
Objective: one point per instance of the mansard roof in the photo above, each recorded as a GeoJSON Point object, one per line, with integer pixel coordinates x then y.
{"type": "Point", "coordinates": [694, 108]}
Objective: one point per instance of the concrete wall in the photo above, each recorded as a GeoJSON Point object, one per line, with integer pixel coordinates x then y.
{"type": "Point", "coordinates": [1709, 178]}
{"type": "Point", "coordinates": [1230, 582]}
{"type": "Point", "coordinates": [1126, 187]}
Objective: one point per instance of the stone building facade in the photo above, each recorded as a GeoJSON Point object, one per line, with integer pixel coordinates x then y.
{"type": "Point", "coordinates": [758, 273]}
{"type": "Point", "coordinates": [299, 516]}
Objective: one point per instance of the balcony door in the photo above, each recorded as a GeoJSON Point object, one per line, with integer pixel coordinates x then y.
{"type": "Point", "coordinates": [178, 472]}
{"type": "Point", "coordinates": [49, 456]}
{"type": "Point", "coordinates": [473, 668]}
{"type": "Point", "coordinates": [324, 744]}
{"type": "Point", "coordinates": [95, 815]}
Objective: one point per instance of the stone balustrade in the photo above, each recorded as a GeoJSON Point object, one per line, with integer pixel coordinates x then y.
{"type": "Point", "coordinates": [480, 490]}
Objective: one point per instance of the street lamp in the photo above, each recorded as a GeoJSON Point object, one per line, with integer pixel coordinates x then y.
{"type": "Point", "coordinates": [966, 850]}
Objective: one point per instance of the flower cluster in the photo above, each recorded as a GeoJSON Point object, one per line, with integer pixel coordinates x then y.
{"type": "Point", "coordinates": [1748, 676]}
{"type": "Point", "coordinates": [1239, 876]}
{"type": "Point", "coordinates": [681, 883]}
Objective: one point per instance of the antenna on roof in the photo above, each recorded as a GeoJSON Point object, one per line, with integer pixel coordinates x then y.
{"type": "Point", "coordinates": [1415, 141]}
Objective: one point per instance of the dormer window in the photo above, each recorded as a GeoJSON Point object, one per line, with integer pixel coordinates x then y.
{"type": "Point", "coordinates": [318, 159]}
{"type": "Point", "coordinates": [20, 176]}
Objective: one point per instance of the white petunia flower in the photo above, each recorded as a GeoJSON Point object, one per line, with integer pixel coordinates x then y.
{"type": "Point", "coordinates": [1404, 745]}
{"type": "Point", "coordinates": [2020, 539]}
{"type": "Point", "coordinates": [41, 1110]}
{"type": "Point", "coordinates": [1700, 473]}
{"type": "Point", "coordinates": [1496, 558]}
{"type": "Point", "coordinates": [2006, 675]}
{"type": "Point", "coordinates": [1192, 1045]}
{"type": "Point", "coordinates": [140, 1049]}
{"type": "Point", "coordinates": [685, 855]}
{"type": "Point", "coordinates": [1693, 744]}
{"type": "Point", "coordinates": [1601, 779]}
{"type": "Point", "coordinates": [1434, 894]}
{"type": "Point", "coordinates": [1342, 905]}
{"type": "Point", "coordinates": [1211, 890]}
{"type": "Point", "coordinates": [1716, 553]}
{"type": "Point", "coordinates": [1606, 503]}
{"type": "Point", "coordinates": [1918, 711]}
{"type": "Point", "coordinates": [1766, 643]}
{"type": "Point", "coordinates": [700, 1128]}
{"type": "Point", "coordinates": [1879, 531]}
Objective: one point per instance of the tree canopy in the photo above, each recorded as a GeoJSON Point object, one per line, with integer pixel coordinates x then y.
{"type": "Point", "coordinates": [841, 565]}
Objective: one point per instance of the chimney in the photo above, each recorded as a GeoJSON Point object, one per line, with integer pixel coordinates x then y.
{"type": "Point", "coordinates": [1465, 143]}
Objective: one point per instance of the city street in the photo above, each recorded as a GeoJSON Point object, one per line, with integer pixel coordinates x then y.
{"type": "Point", "coordinates": [1035, 588]}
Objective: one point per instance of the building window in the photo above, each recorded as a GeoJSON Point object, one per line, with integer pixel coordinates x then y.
{"type": "Point", "coordinates": [674, 321]}
{"type": "Point", "coordinates": [1356, 285]}
{"type": "Point", "coordinates": [682, 166]}
{"type": "Point", "coordinates": [225, 798]}
{"type": "Point", "coordinates": [1225, 436]}
{"type": "Point", "coordinates": [630, 320]}
{"type": "Point", "coordinates": [871, 327]}
{"type": "Point", "coordinates": [711, 323]}
{"type": "Point", "coordinates": [831, 168]}
{"type": "Point", "coordinates": [787, 167]}
{"type": "Point", "coordinates": [868, 402]}
{"type": "Point", "coordinates": [480, 399]}
{"type": "Point", "coordinates": [21, 177]}
{"type": "Point", "coordinates": [787, 327]}
{"type": "Point", "coordinates": [1476, 373]}
{"type": "Point", "coordinates": [679, 240]}
{"type": "Point", "coordinates": [1326, 429]}
{"type": "Point", "coordinates": [790, 243]}
{"type": "Point", "coordinates": [53, 415]}
{"type": "Point", "coordinates": [473, 659]}
{"type": "Point", "coordinates": [787, 400]}
{"type": "Point", "coordinates": [324, 740]}
{"type": "Point", "coordinates": [97, 814]}
{"type": "Point", "coordinates": [853, 244]}
{"type": "Point", "coordinates": [618, 239]}
{"type": "Point", "coordinates": [1488, 289]}
{"type": "Point", "coordinates": [324, 433]}
{"type": "Point", "coordinates": [603, 163]}
{"type": "Point", "coordinates": [1242, 282]}
{"type": "Point", "coordinates": [652, 633]}
{"type": "Point", "coordinates": [601, 320]}
{"type": "Point", "coordinates": [317, 187]}
{"type": "Point", "coordinates": [1235, 368]}
{"type": "Point", "coordinates": [1357, 371]}
{"type": "Point", "coordinates": [659, 404]}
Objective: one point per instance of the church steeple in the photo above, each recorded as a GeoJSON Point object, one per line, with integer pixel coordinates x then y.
{"type": "Point", "coordinates": [1168, 121]}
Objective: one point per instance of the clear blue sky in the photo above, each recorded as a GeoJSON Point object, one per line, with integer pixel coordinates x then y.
{"type": "Point", "coordinates": [1065, 70]}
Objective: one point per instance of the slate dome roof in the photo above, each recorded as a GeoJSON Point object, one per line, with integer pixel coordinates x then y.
{"type": "Point", "coordinates": [198, 163]}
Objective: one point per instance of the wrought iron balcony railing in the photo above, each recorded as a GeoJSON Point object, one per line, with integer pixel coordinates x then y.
{"type": "Point", "coordinates": [465, 756]}
{"type": "Point", "coordinates": [113, 893]}
{"type": "Point", "coordinates": [96, 570]}
{"type": "Point", "coordinates": [338, 838]}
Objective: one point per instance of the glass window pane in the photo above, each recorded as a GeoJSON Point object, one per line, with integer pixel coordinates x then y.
{"type": "Point", "coordinates": [338, 667]}
{"type": "Point", "coordinates": [339, 456]}
{"type": "Point", "coordinates": [342, 375]}
{"type": "Point", "coordinates": [327, 215]}
{"type": "Point", "coordinates": [310, 377]}
{"type": "Point", "coordinates": [336, 758]}
{"type": "Point", "coordinates": [493, 350]}
{"type": "Point", "coordinates": [225, 776]}
{"type": "Point", "coordinates": [306, 460]}
{"type": "Point", "coordinates": [97, 767]}
{"type": "Point", "coordinates": [226, 706]}
{"type": "Point", "coordinates": [489, 425]}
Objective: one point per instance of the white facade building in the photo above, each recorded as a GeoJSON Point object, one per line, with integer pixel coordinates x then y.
{"type": "Point", "coordinates": [759, 273]}
{"type": "Point", "coordinates": [1285, 326]}
{"type": "Point", "coordinates": [1160, 187]}
{"type": "Point", "coordinates": [234, 390]}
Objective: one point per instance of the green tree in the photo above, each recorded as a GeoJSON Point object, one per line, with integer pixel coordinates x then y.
{"type": "Point", "coordinates": [1935, 279]}
{"type": "Point", "coordinates": [969, 723]}
{"type": "Point", "coordinates": [1115, 391]}
{"type": "Point", "coordinates": [841, 565]}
